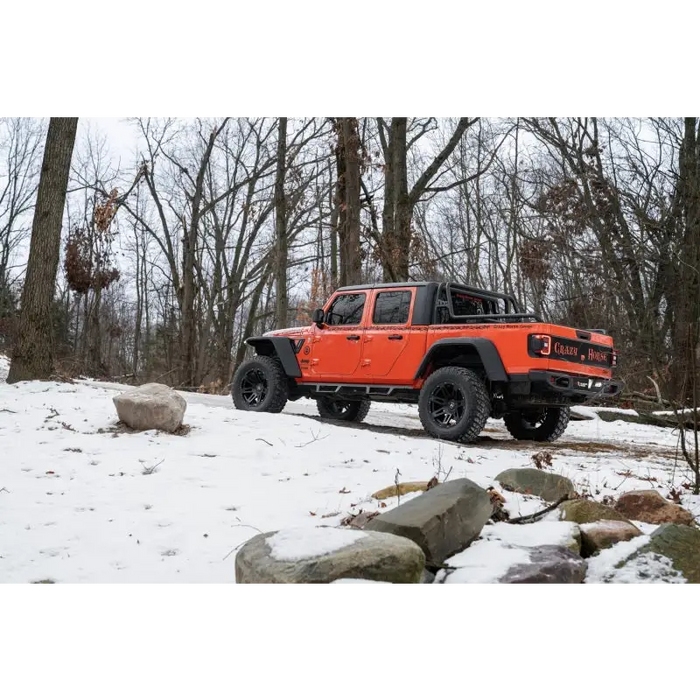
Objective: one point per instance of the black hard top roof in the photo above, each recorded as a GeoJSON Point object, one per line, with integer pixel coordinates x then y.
{"type": "Point", "coordinates": [384, 285]}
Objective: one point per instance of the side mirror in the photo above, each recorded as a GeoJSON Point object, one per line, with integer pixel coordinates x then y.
{"type": "Point", "coordinates": [318, 317]}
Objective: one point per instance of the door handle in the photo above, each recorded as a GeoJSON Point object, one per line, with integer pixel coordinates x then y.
{"type": "Point", "coordinates": [395, 337]}
{"type": "Point", "coordinates": [352, 337]}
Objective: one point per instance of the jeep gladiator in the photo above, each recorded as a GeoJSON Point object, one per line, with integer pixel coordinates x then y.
{"type": "Point", "coordinates": [462, 354]}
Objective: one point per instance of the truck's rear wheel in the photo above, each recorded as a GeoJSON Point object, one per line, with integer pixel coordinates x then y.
{"type": "Point", "coordinates": [337, 409]}
{"type": "Point", "coordinates": [260, 385]}
{"type": "Point", "coordinates": [539, 424]}
{"type": "Point", "coordinates": [454, 404]}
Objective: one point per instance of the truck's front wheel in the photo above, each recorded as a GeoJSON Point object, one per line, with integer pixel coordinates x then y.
{"type": "Point", "coordinates": [539, 424]}
{"type": "Point", "coordinates": [260, 384]}
{"type": "Point", "coordinates": [454, 404]}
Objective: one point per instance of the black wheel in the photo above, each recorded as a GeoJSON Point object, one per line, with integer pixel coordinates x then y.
{"type": "Point", "coordinates": [260, 384]}
{"type": "Point", "coordinates": [454, 404]}
{"type": "Point", "coordinates": [538, 424]}
{"type": "Point", "coordinates": [338, 409]}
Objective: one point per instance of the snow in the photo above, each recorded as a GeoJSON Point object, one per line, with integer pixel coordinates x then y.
{"type": "Point", "coordinates": [548, 531]}
{"type": "Point", "coordinates": [357, 580]}
{"type": "Point", "coordinates": [501, 546]}
{"type": "Point", "coordinates": [308, 542]}
{"type": "Point", "coordinates": [608, 565]}
{"type": "Point", "coordinates": [609, 525]}
{"type": "Point", "coordinates": [4, 368]}
{"type": "Point", "coordinates": [485, 561]}
{"type": "Point", "coordinates": [592, 411]}
{"type": "Point", "coordinates": [81, 502]}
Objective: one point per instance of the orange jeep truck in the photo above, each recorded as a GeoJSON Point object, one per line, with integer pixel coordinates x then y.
{"type": "Point", "coordinates": [462, 354]}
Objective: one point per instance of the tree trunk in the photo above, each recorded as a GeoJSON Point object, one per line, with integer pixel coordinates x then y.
{"type": "Point", "coordinates": [351, 262]}
{"type": "Point", "coordinates": [281, 257]}
{"type": "Point", "coordinates": [32, 353]}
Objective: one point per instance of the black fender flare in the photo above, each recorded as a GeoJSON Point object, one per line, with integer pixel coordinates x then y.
{"type": "Point", "coordinates": [487, 351]}
{"type": "Point", "coordinates": [281, 347]}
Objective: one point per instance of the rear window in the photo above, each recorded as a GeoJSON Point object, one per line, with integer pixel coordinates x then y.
{"type": "Point", "coordinates": [391, 308]}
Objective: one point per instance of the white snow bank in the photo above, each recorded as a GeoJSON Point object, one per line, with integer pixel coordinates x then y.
{"type": "Point", "coordinates": [308, 542]}
{"type": "Point", "coordinates": [601, 567]}
{"type": "Point", "coordinates": [4, 368]}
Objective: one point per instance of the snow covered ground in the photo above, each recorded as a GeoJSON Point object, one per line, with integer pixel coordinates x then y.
{"type": "Point", "coordinates": [81, 502]}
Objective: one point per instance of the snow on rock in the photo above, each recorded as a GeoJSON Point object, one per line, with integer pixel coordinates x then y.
{"type": "Point", "coordinates": [534, 534]}
{"type": "Point", "coordinates": [601, 567]}
{"type": "Point", "coordinates": [4, 368]}
{"type": "Point", "coordinates": [503, 546]}
{"type": "Point", "coordinates": [485, 561]}
{"type": "Point", "coordinates": [308, 542]}
{"type": "Point", "coordinates": [357, 580]}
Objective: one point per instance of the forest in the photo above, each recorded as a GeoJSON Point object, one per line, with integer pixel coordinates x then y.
{"type": "Point", "coordinates": [213, 230]}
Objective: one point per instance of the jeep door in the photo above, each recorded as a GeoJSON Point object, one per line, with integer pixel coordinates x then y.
{"type": "Point", "coordinates": [337, 346]}
{"type": "Point", "coordinates": [388, 337]}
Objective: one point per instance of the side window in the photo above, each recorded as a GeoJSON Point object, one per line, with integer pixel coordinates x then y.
{"type": "Point", "coordinates": [346, 310]}
{"type": "Point", "coordinates": [391, 308]}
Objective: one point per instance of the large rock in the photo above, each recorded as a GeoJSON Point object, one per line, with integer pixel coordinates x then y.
{"type": "Point", "coordinates": [584, 511]}
{"type": "Point", "coordinates": [548, 486]}
{"type": "Point", "coordinates": [442, 521]}
{"type": "Point", "coordinates": [651, 507]}
{"type": "Point", "coordinates": [151, 407]}
{"type": "Point", "coordinates": [548, 564]}
{"type": "Point", "coordinates": [678, 543]}
{"type": "Point", "coordinates": [604, 534]}
{"type": "Point", "coordinates": [324, 554]}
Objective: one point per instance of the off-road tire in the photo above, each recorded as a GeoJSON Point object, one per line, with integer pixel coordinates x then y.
{"type": "Point", "coordinates": [476, 404]}
{"type": "Point", "coordinates": [549, 429]}
{"type": "Point", "coordinates": [337, 409]}
{"type": "Point", "coordinates": [269, 372]}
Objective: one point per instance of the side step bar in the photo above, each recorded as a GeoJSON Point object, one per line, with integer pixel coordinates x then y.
{"type": "Point", "coordinates": [357, 389]}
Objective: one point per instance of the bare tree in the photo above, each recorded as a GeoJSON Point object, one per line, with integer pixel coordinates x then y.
{"type": "Point", "coordinates": [281, 253]}
{"type": "Point", "coordinates": [32, 352]}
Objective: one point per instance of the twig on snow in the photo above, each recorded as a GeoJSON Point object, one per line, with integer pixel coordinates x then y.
{"type": "Point", "coordinates": [147, 471]}
{"type": "Point", "coordinates": [315, 438]}
{"type": "Point", "coordinates": [4, 489]}
{"type": "Point", "coordinates": [265, 441]}
{"type": "Point", "coordinates": [536, 516]}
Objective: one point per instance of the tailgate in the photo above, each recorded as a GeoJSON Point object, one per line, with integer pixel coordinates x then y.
{"type": "Point", "coordinates": [567, 345]}
{"type": "Point", "coordinates": [581, 352]}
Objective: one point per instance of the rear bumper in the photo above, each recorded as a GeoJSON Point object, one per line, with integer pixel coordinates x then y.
{"type": "Point", "coordinates": [570, 385]}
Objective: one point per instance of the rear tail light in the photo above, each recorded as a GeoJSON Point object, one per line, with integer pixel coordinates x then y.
{"type": "Point", "coordinates": [541, 344]}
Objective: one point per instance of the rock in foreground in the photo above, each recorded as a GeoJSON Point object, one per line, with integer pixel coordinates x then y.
{"type": "Point", "coordinates": [151, 407]}
{"type": "Point", "coordinates": [442, 521]}
{"type": "Point", "coordinates": [651, 507]}
{"type": "Point", "coordinates": [678, 543]}
{"type": "Point", "coordinates": [604, 534]}
{"type": "Point", "coordinates": [536, 482]}
{"type": "Point", "coordinates": [548, 564]}
{"type": "Point", "coordinates": [325, 554]}
{"type": "Point", "coordinates": [584, 511]}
